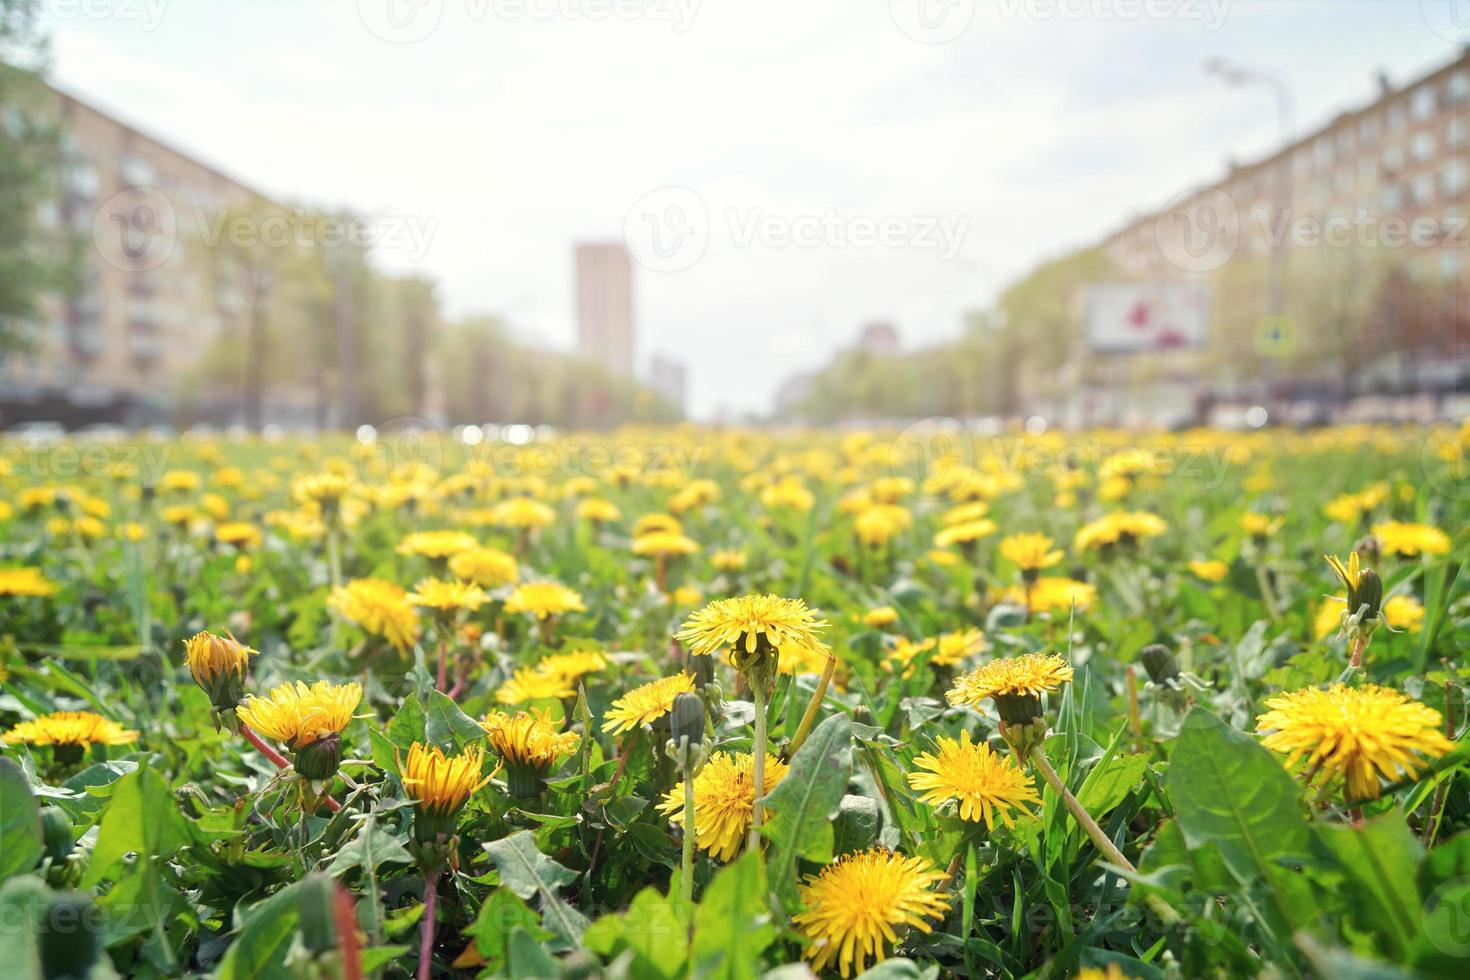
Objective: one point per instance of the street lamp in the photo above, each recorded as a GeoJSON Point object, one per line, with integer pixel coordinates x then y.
{"type": "Point", "coordinates": [1237, 76]}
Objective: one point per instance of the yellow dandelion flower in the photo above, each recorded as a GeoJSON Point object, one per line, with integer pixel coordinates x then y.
{"type": "Point", "coordinates": [523, 512]}
{"type": "Point", "coordinates": [488, 568]}
{"type": "Point", "coordinates": [785, 624]}
{"type": "Point", "coordinates": [1411, 540]}
{"type": "Point", "coordinates": [881, 523]}
{"type": "Point", "coordinates": [298, 715]}
{"type": "Point", "coordinates": [533, 684]}
{"type": "Point", "coordinates": [544, 599]}
{"type": "Point", "coordinates": [985, 783]}
{"type": "Point", "coordinates": [1360, 733]}
{"type": "Point", "coordinates": [439, 783]}
{"type": "Point", "coordinates": [598, 511]}
{"type": "Point", "coordinates": [573, 665]}
{"type": "Point", "coordinates": [1030, 552]}
{"type": "Point", "coordinates": [957, 646]}
{"type": "Point", "coordinates": [1404, 612]}
{"type": "Point", "coordinates": [880, 617]}
{"type": "Point", "coordinates": [26, 582]}
{"type": "Point", "coordinates": [1016, 683]}
{"type": "Point", "coordinates": [852, 910]}
{"type": "Point", "coordinates": [1113, 972]}
{"type": "Point", "coordinates": [645, 704]}
{"type": "Point", "coordinates": [240, 534]}
{"type": "Point", "coordinates": [728, 560]}
{"type": "Point", "coordinates": [965, 533]}
{"type": "Point", "coordinates": [77, 729]}
{"type": "Point", "coordinates": [1209, 570]}
{"type": "Point", "coordinates": [378, 607]}
{"type": "Point", "coordinates": [724, 797]}
{"type": "Point", "coordinates": [324, 490]}
{"type": "Point", "coordinates": [657, 524]}
{"type": "Point", "coordinates": [529, 745]}
{"type": "Point", "coordinates": [447, 597]}
{"type": "Point", "coordinates": [1260, 526]}
{"type": "Point", "coordinates": [1123, 528]}
{"type": "Point", "coordinates": [788, 493]}
{"type": "Point", "coordinates": [436, 544]}
{"type": "Point", "coordinates": [664, 543]}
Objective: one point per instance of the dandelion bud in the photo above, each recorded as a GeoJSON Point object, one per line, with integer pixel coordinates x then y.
{"type": "Point", "coordinates": [1158, 660]}
{"type": "Point", "coordinates": [56, 830]}
{"type": "Point", "coordinates": [1367, 596]}
{"type": "Point", "coordinates": [686, 718]}
{"type": "Point", "coordinates": [218, 665]}
{"type": "Point", "coordinates": [319, 760]}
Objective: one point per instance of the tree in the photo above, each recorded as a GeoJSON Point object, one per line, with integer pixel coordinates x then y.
{"type": "Point", "coordinates": [36, 255]}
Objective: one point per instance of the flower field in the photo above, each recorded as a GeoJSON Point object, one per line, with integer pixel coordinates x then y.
{"type": "Point", "coordinates": [730, 704]}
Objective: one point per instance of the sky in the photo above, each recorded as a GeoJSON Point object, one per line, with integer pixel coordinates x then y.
{"type": "Point", "coordinates": [783, 171]}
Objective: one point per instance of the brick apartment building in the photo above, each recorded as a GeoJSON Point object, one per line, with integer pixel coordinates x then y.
{"type": "Point", "coordinates": [123, 348]}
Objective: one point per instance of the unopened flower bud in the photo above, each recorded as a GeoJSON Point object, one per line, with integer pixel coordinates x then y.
{"type": "Point", "coordinates": [1158, 660]}
{"type": "Point", "coordinates": [319, 760]}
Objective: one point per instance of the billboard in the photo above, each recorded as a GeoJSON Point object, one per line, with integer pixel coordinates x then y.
{"type": "Point", "coordinates": [1131, 317]}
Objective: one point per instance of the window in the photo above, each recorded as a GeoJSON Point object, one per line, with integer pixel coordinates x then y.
{"type": "Point", "coordinates": [1459, 88]}
{"type": "Point", "coordinates": [1424, 102]}
{"type": "Point", "coordinates": [1393, 157]}
{"type": "Point", "coordinates": [1397, 119]}
{"type": "Point", "coordinates": [1456, 177]}
{"type": "Point", "coordinates": [1322, 151]}
{"type": "Point", "coordinates": [1424, 188]}
{"type": "Point", "coordinates": [1423, 146]}
{"type": "Point", "coordinates": [1368, 130]}
{"type": "Point", "coordinates": [1392, 197]}
{"type": "Point", "coordinates": [1455, 132]}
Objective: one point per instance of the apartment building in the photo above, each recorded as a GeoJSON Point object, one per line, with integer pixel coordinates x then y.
{"type": "Point", "coordinates": [123, 347]}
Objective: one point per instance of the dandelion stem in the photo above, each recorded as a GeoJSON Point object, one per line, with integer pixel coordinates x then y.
{"type": "Point", "coordinates": [426, 927]}
{"type": "Point", "coordinates": [1268, 595]}
{"type": "Point", "coordinates": [334, 556]}
{"type": "Point", "coordinates": [443, 661]}
{"type": "Point", "coordinates": [758, 764]}
{"type": "Point", "coordinates": [807, 720]}
{"type": "Point", "coordinates": [280, 760]}
{"type": "Point", "coordinates": [1359, 645]}
{"type": "Point", "coordinates": [1099, 839]}
{"type": "Point", "coordinates": [687, 876]}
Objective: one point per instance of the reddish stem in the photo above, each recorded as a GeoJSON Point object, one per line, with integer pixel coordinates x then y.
{"type": "Point", "coordinates": [426, 927]}
{"type": "Point", "coordinates": [346, 916]}
{"type": "Point", "coordinates": [443, 664]}
{"type": "Point", "coordinates": [280, 760]}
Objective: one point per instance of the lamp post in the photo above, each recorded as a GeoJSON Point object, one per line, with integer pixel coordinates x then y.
{"type": "Point", "coordinates": [1238, 76]}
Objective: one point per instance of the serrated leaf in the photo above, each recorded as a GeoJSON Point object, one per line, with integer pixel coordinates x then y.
{"type": "Point", "coordinates": [529, 873]}
{"type": "Point", "coordinates": [370, 848]}
{"type": "Point", "coordinates": [1229, 791]}
{"type": "Point", "coordinates": [446, 726]}
{"type": "Point", "coordinates": [802, 804]}
{"type": "Point", "coordinates": [500, 916]}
